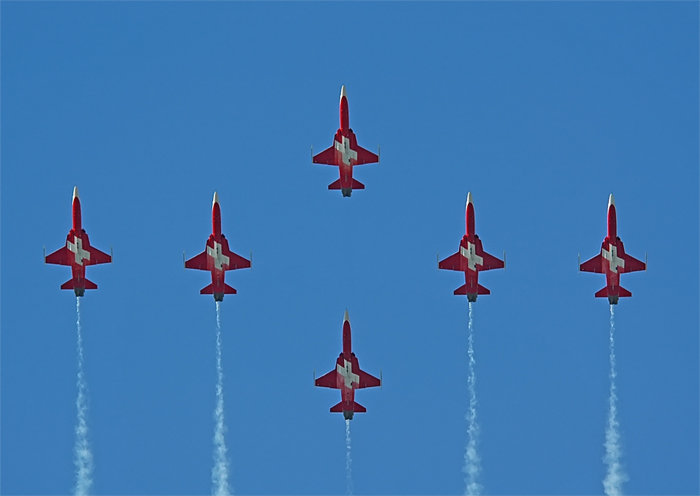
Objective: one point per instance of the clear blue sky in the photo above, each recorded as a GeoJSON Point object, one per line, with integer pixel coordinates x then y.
{"type": "Point", "coordinates": [539, 109]}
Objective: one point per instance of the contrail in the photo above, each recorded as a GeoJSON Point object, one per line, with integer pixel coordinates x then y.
{"type": "Point", "coordinates": [348, 458]}
{"type": "Point", "coordinates": [219, 474]}
{"type": "Point", "coordinates": [472, 463]}
{"type": "Point", "coordinates": [83, 455]}
{"type": "Point", "coordinates": [616, 476]}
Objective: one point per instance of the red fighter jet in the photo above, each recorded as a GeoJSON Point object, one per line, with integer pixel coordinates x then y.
{"type": "Point", "coordinates": [612, 260]}
{"type": "Point", "coordinates": [217, 258]}
{"type": "Point", "coordinates": [471, 259]}
{"type": "Point", "coordinates": [78, 253]}
{"type": "Point", "coordinates": [347, 377]}
{"type": "Point", "coordinates": [345, 152]}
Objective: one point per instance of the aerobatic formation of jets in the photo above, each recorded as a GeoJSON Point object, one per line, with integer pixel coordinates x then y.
{"type": "Point", "coordinates": [345, 153]}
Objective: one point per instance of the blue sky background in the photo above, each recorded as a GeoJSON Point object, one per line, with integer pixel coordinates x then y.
{"type": "Point", "coordinates": [540, 109]}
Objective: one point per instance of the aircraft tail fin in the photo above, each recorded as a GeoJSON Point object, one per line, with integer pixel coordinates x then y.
{"type": "Point", "coordinates": [210, 290]}
{"type": "Point", "coordinates": [71, 285]}
{"type": "Point", "coordinates": [480, 290]}
{"type": "Point", "coordinates": [622, 293]}
{"type": "Point", "coordinates": [355, 184]}
{"type": "Point", "coordinates": [343, 407]}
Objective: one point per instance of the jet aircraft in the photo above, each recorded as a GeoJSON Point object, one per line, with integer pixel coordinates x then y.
{"type": "Point", "coordinates": [347, 377]}
{"type": "Point", "coordinates": [217, 258]}
{"type": "Point", "coordinates": [77, 253]}
{"type": "Point", "coordinates": [471, 259]}
{"type": "Point", "coordinates": [612, 260]}
{"type": "Point", "coordinates": [345, 152]}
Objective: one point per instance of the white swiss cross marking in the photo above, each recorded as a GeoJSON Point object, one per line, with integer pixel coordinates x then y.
{"type": "Point", "coordinates": [77, 248]}
{"type": "Point", "coordinates": [215, 253]}
{"type": "Point", "coordinates": [348, 374]}
{"type": "Point", "coordinates": [470, 254]}
{"type": "Point", "coordinates": [611, 255]}
{"type": "Point", "coordinates": [347, 152]}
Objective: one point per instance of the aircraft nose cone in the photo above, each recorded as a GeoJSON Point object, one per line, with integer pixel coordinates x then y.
{"type": "Point", "coordinates": [75, 193]}
{"type": "Point", "coordinates": [611, 200]}
{"type": "Point", "coordinates": [342, 92]}
{"type": "Point", "coordinates": [469, 198]}
{"type": "Point", "coordinates": [346, 318]}
{"type": "Point", "coordinates": [216, 199]}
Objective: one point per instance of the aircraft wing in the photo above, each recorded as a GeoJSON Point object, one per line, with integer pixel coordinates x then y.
{"type": "Point", "coordinates": [330, 380]}
{"type": "Point", "coordinates": [59, 257]}
{"type": "Point", "coordinates": [236, 261]}
{"type": "Point", "coordinates": [451, 263]}
{"type": "Point", "coordinates": [490, 262]}
{"type": "Point", "coordinates": [97, 257]}
{"type": "Point", "coordinates": [632, 264]}
{"type": "Point", "coordinates": [198, 262]}
{"type": "Point", "coordinates": [365, 156]}
{"type": "Point", "coordinates": [327, 156]}
{"type": "Point", "coordinates": [367, 380]}
{"type": "Point", "coordinates": [595, 264]}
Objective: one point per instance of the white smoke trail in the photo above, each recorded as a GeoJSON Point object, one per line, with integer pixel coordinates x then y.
{"type": "Point", "coordinates": [613, 452]}
{"type": "Point", "coordinates": [219, 474]}
{"type": "Point", "coordinates": [83, 455]}
{"type": "Point", "coordinates": [472, 462]}
{"type": "Point", "coordinates": [348, 458]}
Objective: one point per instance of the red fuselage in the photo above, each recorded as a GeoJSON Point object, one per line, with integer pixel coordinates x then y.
{"type": "Point", "coordinates": [217, 246]}
{"type": "Point", "coordinates": [613, 254]}
{"type": "Point", "coordinates": [345, 143]}
{"type": "Point", "coordinates": [469, 247]}
{"type": "Point", "coordinates": [347, 367]}
{"type": "Point", "coordinates": [78, 243]}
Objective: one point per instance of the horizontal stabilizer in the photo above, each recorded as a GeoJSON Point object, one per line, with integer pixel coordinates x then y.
{"type": "Point", "coordinates": [622, 293]}
{"type": "Point", "coordinates": [355, 185]}
{"type": "Point", "coordinates": [87, 284]}
{"type": "Point", "coordinates": [462, 290]}
{"type": "Point", "coordinates": [343, 407]}
{"type": "Point", "coordinates": [210, 290]}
